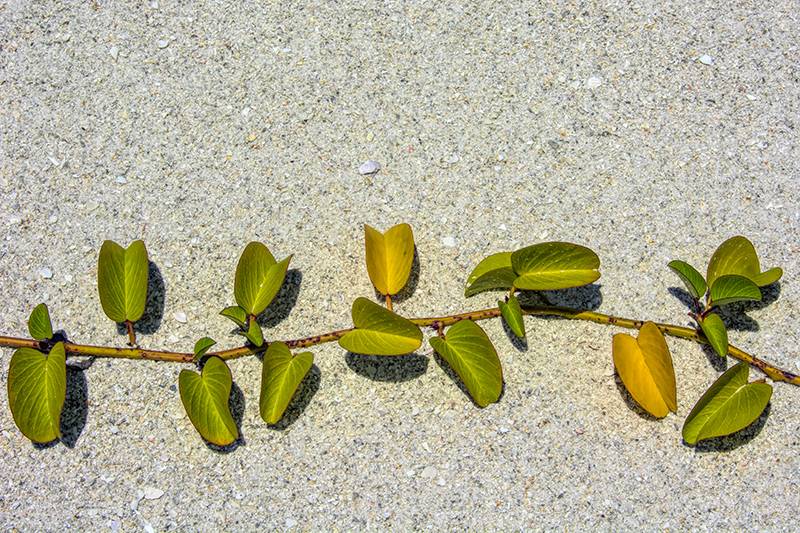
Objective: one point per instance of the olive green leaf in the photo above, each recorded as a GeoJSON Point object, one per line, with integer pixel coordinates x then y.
{"type": "Point", "coordinates": [512, 314]}
{"type": "Point", "coordinates": [732, 288]}
{"type": "Point", "coordinates": [122, 280]}
{"type": "Point", "coordinates": [389, 257]}
{"type": "Point", "coordinates": [693, 280]}
{"type": "Point", "coordinates": [201, 347]}
{"type": "Point", "coordinates": [39, 324]}
{"type": "Point", "coordinates": [738, 256]}
{"type": "Point", "coordinates": [729, 405]}
{"type": "Point", "coordinates": [281, 374]}
{"type": "Point", "coordinates": [380, 331]}
{"type": "Point", "coordinates": [714, 330]}
{"type": "Point", "coordinates": [37, 386]}
{"type": "Point", "coordinates": [554, 265]}
{"type": "Point", "coordinates": [494, 272]}
{"type": "Point", "coordinates": [469, 351]}
{"type": "Point", "coordinates": [237, 314]}
{"type": "Point", "coordinates": [645, 367]}
{"type": "Point", "coordinates": [258, 278]}
{"type": "Point", "coordinates": [205, 398]}
{"type": "Point", "coordinates": [254, 333]}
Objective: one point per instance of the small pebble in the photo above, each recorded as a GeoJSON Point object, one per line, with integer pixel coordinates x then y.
{"type": "Point", "coordinates": [290, 522]}
{"type": "Point", "coordinates": [114, 52]}
{"type": "Point", "coordinates": [503, 227]}
{"type": "Point", "coordinates": [121, 180]}
{"type": "Point", "coordinates": [449, 241]}
{"type": "Point", "coordinates": [441, 482]}
{"type": "Point", "coordinates": [163, 43]}
{"type": "Point", "coordinates": [594, 82]}
{"type": "Point", "coordinates": [14, 220]}
{"type": "Point", "coordinates": [246, 111]}
{"type": "Point", "coordinates": [369, 167]}
{"type": "Point", "coordinates": [370, 136]}
{"type": "Point", "coordinates": [251, 137]}
{"type": "Point", "coordinates": [452, 159]}
{"type": "Point", "coordinates": [152, 493]}
{"type": "Point", "coordinates": [180, 316]}
{"type": "Point", "coordinates": [46, 273]}
{"type": "Point", "coordinates": [53, 219]}
{"type": "Point", "coordinates": [706, 59]}
{"type": "Point", "coordinates": [429, 472]}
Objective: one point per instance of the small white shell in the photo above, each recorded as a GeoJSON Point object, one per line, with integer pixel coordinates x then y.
{"type": "Point", "coordinates": [369, 167]}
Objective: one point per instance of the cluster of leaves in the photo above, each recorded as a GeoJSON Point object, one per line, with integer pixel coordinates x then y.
{"type": "Point", "coordinates": [37, 377]}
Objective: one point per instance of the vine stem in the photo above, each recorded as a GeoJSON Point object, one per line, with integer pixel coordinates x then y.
{"type": "Point", "coordinates": [437, 323]}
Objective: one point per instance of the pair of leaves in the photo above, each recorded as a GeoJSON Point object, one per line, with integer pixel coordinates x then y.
{"type": "Point", "coordinates": [205, 396]}
{"type": "Point", "coordinates": [389, 257]}
{"type": "Point", "coordinates": [122, 280]}
{"type": "Point", "coordinates": [545, 266]}
{"type": "Point", "coordinates": [645, 367]}
{"type": "Point", "coordinates": [379, 331]}
{"type": "Point", "coordinates": [258, 278]}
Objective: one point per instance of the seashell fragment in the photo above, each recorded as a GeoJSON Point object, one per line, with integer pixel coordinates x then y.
{"type": "Point", "coordinates": [369, 167]}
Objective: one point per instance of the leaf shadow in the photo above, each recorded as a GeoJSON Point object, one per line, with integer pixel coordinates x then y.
{"type": "Point", "coordinates": [154, 305]}
{"type": "Point", "coordinates": [586, 297]}
{"type": "Point", "coordinates": [74, 413]}
{"type": "Point", "coordinates": [453, 375]}
{"type": "Point", "coordinates": [720, 364]}
{"type": "Point", "coordinates": [521, 344]}
{"type": "Point", "coordinates": [285, 300]}
{"type": "Point", "coordinates": [236, 403]}
{"type": "Point", "coordinates": [388, 368]}
{"type": "Point", "coordinates": [409, 289]}
{"type": "Point", "coordinates": [683, 296]}
{"type": "Point", "coordinates": [735, 440]}
{"type": "Point", "coordinates": [300, 401]}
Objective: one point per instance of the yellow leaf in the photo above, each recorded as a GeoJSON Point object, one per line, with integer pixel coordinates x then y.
{"type": "Point", "coordinates": [645, 367]}
{"type": "Point", "coordinates": [389, 257]}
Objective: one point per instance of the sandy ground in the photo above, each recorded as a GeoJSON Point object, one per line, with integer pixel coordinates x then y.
{"type": "Point", "coordinates": [648, 132]}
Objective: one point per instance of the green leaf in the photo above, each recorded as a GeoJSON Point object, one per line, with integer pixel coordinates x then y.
{"type": "Point", "coordinates": [738, 256]}
{"type": "Point", "coordinates": [714, 330]}
{"type": "Point", "coordinates": [258, 278]}
{"type": "Point", "coordinates": [281, 374]}
{"type": "Point", "coordinates": [37, 386]}
{"type": "Point", "coordinates": [731, 288]}
{"type": "Point", "coordinates": [645, 367]}
{"type": "Point", "coordinates": [389, 257]}
{"type": "Point", "coordinates": [729, 405]}
{"type": "Point", "coordinates": [494, 272]}
{"type": "Point", "coordinates": [554, 265]}
{"type": "Point", "coordinates": [39, 324]}
{"type": "Point", "coordinates": [693, 280]}
{"type": "Point", "coordinates": [254, 333]}
{"type": "Point", "coordinates": [512, 314]}
{"type": "Point", "coordinates": [237, 314]}
{"type": "Point", "coordinates": [380, 332]}
{"type": "Point", "coordinates": [201, 347]}
{"type": "Point", "coordinates": [205, 398]}
{"type": "Point", "coordinates": [469, 351]}
{"type": "Point", "coordinates": [122, 280]}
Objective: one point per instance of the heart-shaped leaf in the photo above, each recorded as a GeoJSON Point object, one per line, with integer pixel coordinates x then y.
{"type": "Point", "coordinates": [39, 324]}
{"type": "Point", "coordinates": [729, 405]}
{"type": "Point", "coordinates": [205, 398]}
{"type": "Point", "coordinates": [494, 272]}
{"type": "Point", "coordinates": [738, 256]}
{"type": "Point", "coordinates": [237, 314]}
{"type": "Point", "coordinates": [645, 367]}
{"type": "Point", "coordinates": [201, 347]}
{"type": "Point", "coordinates": [380, 332]}
{"type": "Point", "coordinates": [469, 351]}
{"type": "Point", "coordinates": [258, 278]}
{"type": "Point", "coordinates": [554, 265]}
{"type": "Point", "coordinates": [37, 386]}
{"type": "Point", "coordinates": [389, 257]}
{"type": "Point", "coordinates": [714, 330]}
{"type": "Point", "coordinates": [281, 374]}
{"type": "Point", "coordinates": [122, 280]}
{"type": "Point", "coordinates": [512, 314]}
{"type": "Point", "coordinates": [693, 280]}
{"type": "Point", "coordinates": [732, 288]}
